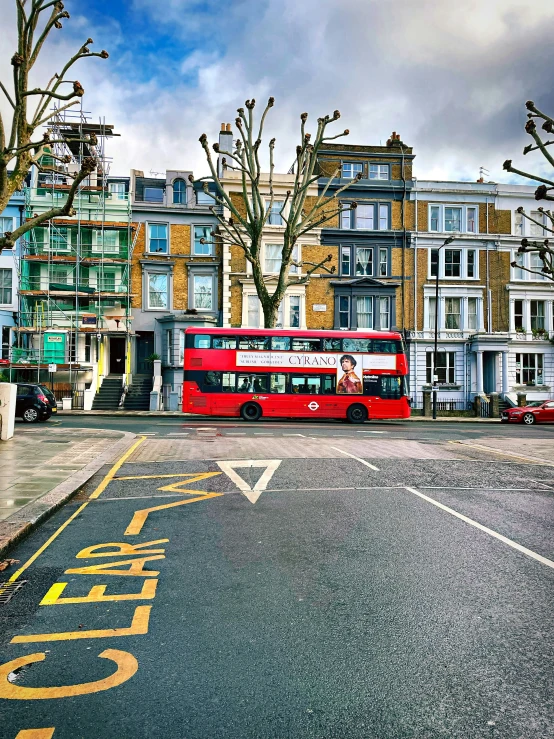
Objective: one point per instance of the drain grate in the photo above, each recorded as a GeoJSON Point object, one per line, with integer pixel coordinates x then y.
{"type": "Point", "coordinates": [9, 589]}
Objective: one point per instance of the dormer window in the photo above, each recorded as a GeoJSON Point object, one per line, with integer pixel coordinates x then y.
{"type": "Point", "coordinates": [154, 194]}
{"type": "Point", "coordinates": [179, 192]}
{"type": "Point", "coordinates": [351, 169]}
{"type": "Point", "coordinates": [379, 172]}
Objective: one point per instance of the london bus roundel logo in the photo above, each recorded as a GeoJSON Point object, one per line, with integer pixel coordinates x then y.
{"type": "Point", "coordinates": [313, 406]}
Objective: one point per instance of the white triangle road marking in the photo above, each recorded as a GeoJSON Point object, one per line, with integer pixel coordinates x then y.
{"type": "Point", "coordinates": [251, 493]}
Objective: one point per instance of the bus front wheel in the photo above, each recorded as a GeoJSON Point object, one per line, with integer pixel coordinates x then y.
{"type": "Point", "coordinates": [251, 412]}
{"type": "Point", "coordinates": [356, 413]}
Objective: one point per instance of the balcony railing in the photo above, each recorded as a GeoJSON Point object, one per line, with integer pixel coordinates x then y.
{"type": "Point", "coordinates": [61, 248]}
{"type": "Point", "coordinates": [85, 285]}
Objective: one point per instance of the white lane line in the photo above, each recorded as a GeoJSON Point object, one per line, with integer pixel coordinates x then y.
{"type": "Point", "coordinates": [370, 432]}
{"type": "Point", "coordinates": [362, 461]}
{"type": "Point", "coordinates": [457, 487]}
{"type": "Point", "coordinates": [303, 435]}
{"type": "Point", "coordinates": [177, 433]}
{"type": "Point", "coordinates": [471, 522]}
{"type": "Point", "coordinates": [235, 433]}
{"type": "Point", "coordinates": [148, 433]}
{"type": "Point", "coordinates": [261, 433]}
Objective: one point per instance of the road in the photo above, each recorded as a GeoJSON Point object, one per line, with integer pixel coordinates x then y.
{"type": "Point", "coordinates": [291, 580]}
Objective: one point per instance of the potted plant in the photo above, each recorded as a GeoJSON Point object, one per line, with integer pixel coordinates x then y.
{"type": "Point", "coordinates": [539, 333]}
{"type": "Point", "coordinates": [520, 330]}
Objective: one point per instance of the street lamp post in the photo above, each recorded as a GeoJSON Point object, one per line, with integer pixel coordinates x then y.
{"type": "Point", "coordinates": [435, 378]}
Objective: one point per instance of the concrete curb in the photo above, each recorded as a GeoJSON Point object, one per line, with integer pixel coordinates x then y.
{"type": "Point", "coordinates": [214, 419]}
{"type": "Point", "coordinates": [21, 524]}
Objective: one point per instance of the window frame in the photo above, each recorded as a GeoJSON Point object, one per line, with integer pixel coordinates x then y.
{"type": "Point", "coordinates": [351, 164]}
{"type": "Point", "coordinates": [149, 237]}
{"type": "Point", "coordinates": [210, 246]}
{"type": "Point", "coordinates": [209, 277]}
{"type": "Point", "coordinates": [153, 273]}
{"type": "Point", "coordinates": [525, 263]}
{"type": "Point", "coordinates": [182, 192]}
{"type": "Point", "coordinates": [524, 371]}
{"type": "Point", "coordinates": [3, 287]}
{"type": "Point", "coordinates": [440, 253]}
{"type": "Point", "coordinates": [449, 367]}
{"type": "Point", "coordinates": [440, 208]}
{"type": "Point", "coordinates": [386, 167]}
{"type": "Point", "coordinates": [351, 216]}
{"type": "Point", "coordinates": [156, 200]}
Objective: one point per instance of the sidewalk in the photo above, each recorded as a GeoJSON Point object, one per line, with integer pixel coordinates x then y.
{"type": "Point", "coordinates": [40, 468]}
{"type": "Point", "coordinates": [180, 414]}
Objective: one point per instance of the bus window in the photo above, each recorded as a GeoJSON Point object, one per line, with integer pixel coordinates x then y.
{"type": "Point", "coordinates": [329, 382]}
{"type": "Point", "coordinates": [306, 345]}
{"type": "Point", "coordinates": [280, 343]}
{"type": "Point", "coordinates": [253, 342]}
{"type": "Point", "coordinates": [391, 388]}
{"type": "Point", "coordinates": [331, 345]}
{"type": "Point", "coordinates": [307, 385]}
{"type": "Point", "coordinates": [252, 384]}
{"type": "Point", "coordinates": [386, 346]}
{"type": "Point", "coordinates": [278, 383]}
{"type": "Point", "coordinates": [356, 345]}
{"type": "Point", "coordinates": [224, 342]}
{"type": "Point", "coordinates": [228, 382]}
{"type": "Point", "coordinates": [201, 341]}
{"type": "Point", "coordinates": [212, 382]}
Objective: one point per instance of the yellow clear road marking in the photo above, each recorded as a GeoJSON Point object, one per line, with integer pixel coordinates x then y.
{"type": "Point", "coordinates": [362, 461]}
{"type": "Point", "coordinates": [495, 534]}
{"type": "Point", "coordinates": [97, 594]}
{"type": "Point", "coordinates": [139, 625]}
{"type": "Point", "coordinates": [139, 517]}
{"type": "Point", "coordinates": [96, 493]}
{"type": "Point", "coordinates": [36, 734]}
{"type": "Point", "coordinates": [126, 663]}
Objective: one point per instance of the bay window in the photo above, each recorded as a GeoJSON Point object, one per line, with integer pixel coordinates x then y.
{"type": "Point", "coordinates": [452, 313]}
{"type": "Point", "coordinates": [383, 262]}
{"type": "Point", "coordinates": [524, 262]}
{"type": "Point", "coordinates": [384, 313]}
{"type": "Point", "coordinates": [518, 316]}
{"type": "Point", "coordinates": [445, 369]}
{"type": "Point", "coordinates": [472, 313]}
{"type": "Point", "coordinates": [529, 369]}
{"type": "Point", "coordinates": [537, 315]}
{"type": "Point", "coordinates": [471, 220]}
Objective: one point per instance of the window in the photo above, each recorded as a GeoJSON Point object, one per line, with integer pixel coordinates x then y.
{"type": "Point", "coordinates": [351, 169]}
{"type": "Point", "coordinates": [536, 264]}
{"type": "Point", "coordinates": [391, 388]}
{"type": "Point", "coordinates": [445, 368]}
{"type": "Point", "coordinates": [294, 307]}
{"type": "Point", "coordinates": [519, 273]}
{"type": "Point", "coordinates": [529, 369]}
{"type": "Point", "coordinates": [224, 342]}
{"type": "Point", "coordinates": [6, 224]}
{"type": "Point", "coordinates": [202, 198]}
{"type": "Point", "coordinates": [5, 342]}
{"type": "Point", "coordinates": [253, 311]}
{"type": "Point", "coordinates": [59, 238]}
{"type": "Point", "coordinates": [432, 312]}
{"type": "Point", "coordinates": [181, 348]}
{"type": "Point", "coordinates": [280, 315]}
{"type": "Point", "coordinates": [364, 261]}
{"type": "Point", "coordinates": [154, 194]}
{"type": "Point", "coordinates": [223, 382]}
{"type": "Point", "coordinates": [117, 190]}
{"type": "Point", "coordinates": [472, 313]}
{"type": "Point", "coordinates": [106, 241]}
{"type": "Point", "coordinates": [203, 292]}
{"type": "Point", "coordinates": [357, 345]}
{"type": "Point", "coordinates": [383, 262]}
{"type": "Point", "coordinates": [278, 383]}
{"type": "Point", "coordinates": [59, 275]}
{"type": "Point", "coordinates": [179, 192]}
{"type": "Point", "coordinates": [274, 217]}
{"type": "Point", "coordinates": [201, 341]}
{"type": "Point", "coordinates": [434, 218]}
{"type": "Point", "coordinates": [536, 229]}
{"type": "Point", "coordinates": [518, 316]}
{"type": "Point", "coordinates": [331, 345]}
{"type": "Point", "coordinates": [345, 260]}
{"type": "Point", "coordinates": [452, 219]}
{"type": "Point", "coordinates": [273, 258]}
{"type": "Point", "coordinates": [280, 343]}
{"type": "Point", "coordinates": [379, 172]}
{"type": "Point", "coordinates": [306, 385]}
{"type": "Point", "coordinates": [260, 343]}
{"type": "Point", "coordinates": [365, 216]}
{"type": "Point", "coordinates": [344, 311]}
{"type": "Point", "coordinates": [364, 311]}
{"type": "Point", "coordinates": [452, 262]}
{"type": "Point", "coordinates": [295, 256]}
{"type": "Point", "coordinates": [157, 291]}
{"type": "Point", "coordinates": [472, 220]}
{"type": "Point", "coordinates": [346, 218]}
{"type": "Point", "coordinates": [452, 313]}
{"type": "Point", "coordinates": [205, 233]}
{"type": "Point", "coordinates": [252, 384]}
{"type": "Point", "coordinates": [5, 286]}
{"type": "Point", "coordinates": [434, 262]}
{"type": "Point", "coordinates": [157, 238]}
{"type": "Point", "coordinates": [518, 224]}
{"type": "Point", "coordinates": [537, 315]}
{"type": "Point", "coordinates": [169, 346]}
{"type": "Point", "coordinates": [306, 345]}
{"type": "Point", "coordinates": [383, 217]}
{"type": "Point", "coordinates": [384, 313]}
{"type": "Point", "coordinates": [529, 261]}
{"type": "Point", "coordinates": [471, 263]}
{"type": "Point", "coordinates": [107, 281]}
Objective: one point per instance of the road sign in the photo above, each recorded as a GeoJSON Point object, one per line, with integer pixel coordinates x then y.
{"type": "Point", "coordinates": [52, 368]}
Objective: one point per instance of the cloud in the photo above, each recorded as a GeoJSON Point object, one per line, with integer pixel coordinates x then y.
{"type": "Point", "coordinates": [452, 80]}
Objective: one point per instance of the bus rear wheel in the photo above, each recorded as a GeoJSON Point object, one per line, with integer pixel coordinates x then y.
{"type": "Point", "coordinates": [356, 413]}
{"type": "Point", "coordinates": [251, 412]}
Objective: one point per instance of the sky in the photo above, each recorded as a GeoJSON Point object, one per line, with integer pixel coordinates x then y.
{"type": "Point", "coordinates": [451, 76]}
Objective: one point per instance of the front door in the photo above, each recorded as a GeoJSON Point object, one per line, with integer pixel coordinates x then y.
{"type": "Point", "coordinates": [145, 349]}
{"type": "Point", "coordinates": [489, 372]}
{"type": "Point", "coordinates": [117, 355]}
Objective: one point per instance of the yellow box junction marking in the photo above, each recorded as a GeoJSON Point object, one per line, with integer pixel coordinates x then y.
{"type": "Point", "coordinates": [36, 734]}
{"type": "Point", "coordinates": [126, 663]}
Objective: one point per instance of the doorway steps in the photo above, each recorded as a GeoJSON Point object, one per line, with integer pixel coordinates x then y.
{"type": "Point", "coordinates": [138, 394]}
{"type": "Point", "coordinates": [109, 395]}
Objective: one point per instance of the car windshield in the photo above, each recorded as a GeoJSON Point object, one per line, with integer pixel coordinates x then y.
{"type": "Point", "coordinates": [45, 391]}
{"type": "Point", "coordinates": [534, 403]}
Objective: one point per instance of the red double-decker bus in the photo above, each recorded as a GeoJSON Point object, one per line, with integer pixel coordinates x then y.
{"type": "Point", "coordinates": [295, 374]}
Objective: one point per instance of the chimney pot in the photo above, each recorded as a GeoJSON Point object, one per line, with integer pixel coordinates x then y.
{"type": "Point", "coordinates": [223, 127]}
{"type": "Point", "coordinates": [228, 128]}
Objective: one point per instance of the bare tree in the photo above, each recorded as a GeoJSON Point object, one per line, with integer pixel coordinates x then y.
{"type": "Point", "coordinates": [544, 248]}
{"type": "Point", "coordinates": [18, 150]}
{"type": "Point", "coordinates": [301, 214]}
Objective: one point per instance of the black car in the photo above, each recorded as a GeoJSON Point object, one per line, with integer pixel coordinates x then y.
{"type": "Point", "coordinates": [34, 402]}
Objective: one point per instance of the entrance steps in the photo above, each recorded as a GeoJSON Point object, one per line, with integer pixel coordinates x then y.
{"type": "Point", "coordinates": [109, 395]}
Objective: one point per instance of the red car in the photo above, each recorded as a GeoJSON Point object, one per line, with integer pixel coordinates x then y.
{"type": "Point", "coordinates": [535, 412]}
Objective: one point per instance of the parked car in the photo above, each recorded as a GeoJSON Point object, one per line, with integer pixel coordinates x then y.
{"type": "Point", "coordinates": [34, 402]}
{"type": "Point", "coordinates": [534, 412]}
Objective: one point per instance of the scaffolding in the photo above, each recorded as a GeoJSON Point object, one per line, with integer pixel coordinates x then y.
{"type": "Point", "coordinates": [74, 273]}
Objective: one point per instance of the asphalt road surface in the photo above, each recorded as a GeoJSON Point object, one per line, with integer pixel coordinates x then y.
{"type": "Point", "coordinates": [291, 580]}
